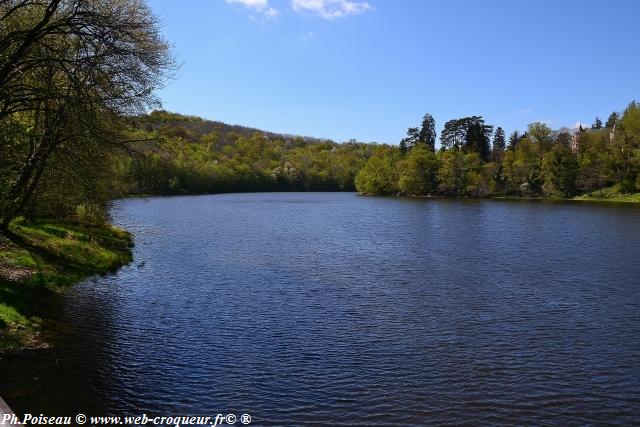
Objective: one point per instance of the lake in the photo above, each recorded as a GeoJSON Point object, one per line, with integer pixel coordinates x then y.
{"type": "Point", "coordinates": [333, 308]}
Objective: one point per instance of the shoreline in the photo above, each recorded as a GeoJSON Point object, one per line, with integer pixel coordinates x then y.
{"type": "Point", "coordinates": [38, 259]}
{"type": "Point", "coordinates": [629, 199]}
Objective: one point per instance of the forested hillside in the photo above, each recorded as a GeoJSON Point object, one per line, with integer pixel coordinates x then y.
{"type": "Point", "coordinates": [189, 155]}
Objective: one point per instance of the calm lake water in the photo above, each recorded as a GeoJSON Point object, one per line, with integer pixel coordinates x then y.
{"type": "Point", "coordinates": [336, 309]}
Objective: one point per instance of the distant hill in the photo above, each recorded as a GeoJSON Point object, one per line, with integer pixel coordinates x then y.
{"type": "Point", "coordinates": [179, 154]}
{"type": "Point", "coordinates": [195, 127]}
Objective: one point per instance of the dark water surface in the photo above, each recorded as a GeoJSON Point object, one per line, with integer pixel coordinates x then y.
{"type": "Point", "coordinates": [335, 309]}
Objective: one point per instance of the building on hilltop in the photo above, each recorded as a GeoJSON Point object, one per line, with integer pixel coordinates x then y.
{"type": "Point", "coordinates": [575, 138]}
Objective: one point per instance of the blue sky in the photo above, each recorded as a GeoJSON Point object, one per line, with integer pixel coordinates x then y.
{"type": "Point", "coordinates": [345, 69]}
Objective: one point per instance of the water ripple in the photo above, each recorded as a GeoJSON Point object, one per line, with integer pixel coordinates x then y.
{"type": "Point", "coordinates": [334, 309]}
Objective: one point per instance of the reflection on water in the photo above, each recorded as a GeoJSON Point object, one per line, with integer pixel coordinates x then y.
{"type": "Point", "coordinates": [334, 308]}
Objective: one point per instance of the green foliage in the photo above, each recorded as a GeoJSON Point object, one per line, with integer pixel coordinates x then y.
{"type": "Point", "coordinates": [514, 138]}
{"type": "Point", "coordinates": [452, 175]}
{"type": "Point", "coordinates": [593, 159]}
{"type": "Point", "coordinates": [80, 247]}
{"type": "Point", "coordinates": [597, 123]}
{"type": "Point", "coordinates": [412, 138]}
{"type": "Point", "coordinates": [539, 162]}
{"type": "Point", "coordinates": [610, 194]}
{"type": "Point", "coordinates": [612, 120]}
{"type": "Point", "coordinates": [187, 160]}
{"type": "Point", "coordinates": [418, 172]}
{"type": "Point", "coordinates": [625, 150]}
{"type": "Point", "coordinates": [427, 134]}
{"type": "Point", "coordinates": [477, 176]}
{"type": "Point", "coordinates": [379, 175]}
{"type": "Point", "coordinates": [42, 256]}
{"type": "Point", "coordinates": [522, 169]}
{"type": "Point", "coordinates": [560, 169]}
{"type": "Point", "coordinates": [403, 146]}
{"type": "Point", "coordinates": [477, 137]}
{"type": "Point", "coordinates": [499, 144]}
{"type": "Point", "coordinates": [470, 133]}
{"type": "Point", "coordinates": [70, 73]}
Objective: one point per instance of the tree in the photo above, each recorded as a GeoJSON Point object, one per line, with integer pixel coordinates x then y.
{"type": "Point", "coordinates": [452, 175]}
{"type": "Point", "coordinates": [540, 134]}
{"type": "Point", "coordinates": [477, 182]}
{"type": "Point", "coordinates": [597, 123]}
{"type": "Point", "coordinates": [379, 175]}
{"type": "Point", "coordinates": [477, 137]}
{"type": "Point", "coordinates": [522, 168]}
{"type": "Point", "coordinates": [499, 144]}
{"type": "Point", "coordinates": [418, 176]}
{"type": "Point", "coordinates": [625, 150]}
{"type": "Point", "coordinates": [412, 138]}
{"type": "Point", "coordinates": [612, 120]}
{"type": "Point", "coordinates": [592, 162]}
{"type": "Point", "coordinates": [560, 170]}
{"type": "Point", "coordinates": [454, 133]}
{"type": "Point", "coordinates": [562, 137]}
{"type": "Point", "coordinates": [71, 70]}
{"type": "Point", "coordinates": [470, 133]}
{"type": "Point", "coordinates": [514, 138]}
{"type": "Point", "coordinates": [403, 146]}
{"type": "Point", "coordinates": [427, 133]}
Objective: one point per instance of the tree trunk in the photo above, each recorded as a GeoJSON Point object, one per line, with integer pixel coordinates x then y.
{"type": "Point", "coordinates": [22, 189]}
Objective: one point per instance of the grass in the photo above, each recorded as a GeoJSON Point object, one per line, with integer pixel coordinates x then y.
{"type": "Point", "coordinates": [610, 195]}
{"type": "Point", "coordinates": [38, 258]}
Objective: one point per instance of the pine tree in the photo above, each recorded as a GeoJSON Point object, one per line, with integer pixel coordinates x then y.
{"type": "Point", "coordinates": [597, 123]}
{"type": "Point", "coordinates": [403, 146]}
{"type": "Point", "coordinates": [478, 137]}
{"type": "Point", "coordinates": [514, 138]}
{"type": "Point", "coordinates": [454, 133]}
{"type": "Point", "coordinates": [612, 120]}
{"type": "Point", "coordinates": [427, 133]}
{"type": "Point", "coordinates": [499, 143]}
{"type": "Point", "coordinates": [413, 135]}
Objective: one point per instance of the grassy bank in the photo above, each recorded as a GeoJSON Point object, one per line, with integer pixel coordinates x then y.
{"type": "Point", "coordinates": [610, 197]}
{"type": "Point", "coordinates": [37, 259]}
{"type": "Point", "coordinates": [594, 197]}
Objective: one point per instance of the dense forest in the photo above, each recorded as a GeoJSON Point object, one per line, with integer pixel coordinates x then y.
{"type": "Point", "coordinates": [77, 79]}
{"type": "Point", "coordinates": [190, 155]}
{"type": "Point", "coordinates": [475, 161]}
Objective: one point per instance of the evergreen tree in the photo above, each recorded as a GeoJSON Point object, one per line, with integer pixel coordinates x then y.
{"type": "Point", "coordinates": [499, 144]}
{"type": "Point", "coordinates": [403, 146]}
{"type": "Point", "coordinates": [454, 133]}
{"type": "Point", "coordinates": [597, 123]}
{"type": "Point", "coordinates": [612, 120]}
{"type": "Point", "coordinates": [514, 138]}
{"type": "Point", "coordinates": [477, 137]}
{"type": "Point", "coordinates": [427, 133]}
{"type": "Point", "coordinates": [413, 137]}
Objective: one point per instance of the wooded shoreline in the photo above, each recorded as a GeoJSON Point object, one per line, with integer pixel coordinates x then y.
{"type": "Point", "coordinates": [624, 198]}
